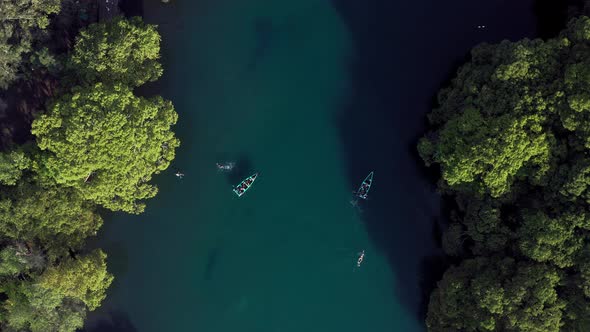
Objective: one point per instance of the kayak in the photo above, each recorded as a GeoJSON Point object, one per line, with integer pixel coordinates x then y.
{"type": "Point", "coordinates": [241, 188]}
{"type": "Point", "coordinates": [361, 257]}
{"type": "Point", "coordinates": [365, 186]}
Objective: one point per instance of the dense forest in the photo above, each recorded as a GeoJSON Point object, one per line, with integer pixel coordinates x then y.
{"type": "Point", "coordinates": [511, 136]}
{"type": "Point", "coordinates": [75, 139]}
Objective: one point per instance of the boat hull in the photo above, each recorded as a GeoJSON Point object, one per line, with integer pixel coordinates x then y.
{"type": "Point", "coordinates": [241, 188]}
{"type": "Point", "coordinates": [363, 191]}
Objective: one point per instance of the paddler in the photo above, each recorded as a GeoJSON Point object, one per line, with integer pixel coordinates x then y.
{"type": "Point", "coordinates": [360, 260]}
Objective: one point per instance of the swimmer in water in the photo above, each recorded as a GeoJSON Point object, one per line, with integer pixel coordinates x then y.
{"type": "Point", "coordinates": [179, 175]}
{"type": "Point", "coordinates": [225, 166]}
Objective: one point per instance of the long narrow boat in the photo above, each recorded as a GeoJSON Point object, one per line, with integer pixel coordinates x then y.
{"type": "Point", "coordinates": [241, 188]}
{"type": "Point", "coordinates": [365, 186]}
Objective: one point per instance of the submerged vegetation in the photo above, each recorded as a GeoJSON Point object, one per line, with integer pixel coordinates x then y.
{"type": "Point", "coordinates": [512, 140]}
{"type": "Point", "coordinates": [91, 143]}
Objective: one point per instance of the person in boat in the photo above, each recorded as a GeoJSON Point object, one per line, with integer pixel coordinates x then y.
{"type": "Point", "coordinates": [360, 260]}
{"type": "Point", "coordinates": [179, 174]}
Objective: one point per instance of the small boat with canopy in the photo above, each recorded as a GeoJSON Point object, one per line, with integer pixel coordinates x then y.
{"type": "Point", "coordinates": [241, 188]}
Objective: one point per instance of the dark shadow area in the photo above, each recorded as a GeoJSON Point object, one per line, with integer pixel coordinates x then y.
{"type": "Point", "coordinates": [212, 257]}
{"type": "Point", "coordinates": [552, 16]}
{"type": "Point", "coordinates": [118, 256]}
{"type": "Point", "coordinates": [242, 170]}
{"type": "Point", "coordinates": [432, 173]}
{"type": "Point", "coordinates": [263, 32]}
{"type": "Point", "coordinates": [74, 15]}
{"type": "Point", "coordinates": [114, 321]}
{"type": "Point", "coordinates": [404, 52]}
{"type": "Point", "coordinates": [36, 84]}
{"type": "Point", "coordinates": [19, 105]}
{"type": "Point", "coordinates": [131, 7]}
{"type": "Point", "coordinates": [432, 269]}
{"type": "Point", "coordinates": [118, 260]}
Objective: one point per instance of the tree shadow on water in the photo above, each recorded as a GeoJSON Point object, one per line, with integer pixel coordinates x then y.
{"type": "Point", "coordinates": [432, 269]}
{"type": "Point", "coordinates": [114, 321]}
{"type": "Point", "coordinates": [131, 7]}
{"type": "Point", "coordinates": [398, 214]}
{"type": "Point", "coordinates": [552, 16]}
{"type": "Point", "coordinates": [118, 260]}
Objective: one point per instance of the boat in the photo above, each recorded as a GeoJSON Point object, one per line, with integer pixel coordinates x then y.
{"type": "Point", "coordinates": [241, 188]}
{"type": "Point", "coordinates": [365, 187]}
{"type": "Point", "coordinates": [225, 166]}
{"type": "Point", "coordinates": [360, 260]}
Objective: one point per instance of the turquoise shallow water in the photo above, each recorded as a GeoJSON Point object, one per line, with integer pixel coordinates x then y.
{"type": "Point", "coordinates": [260, 83]}
{"type": "Point", "coordinates": [278, 87]}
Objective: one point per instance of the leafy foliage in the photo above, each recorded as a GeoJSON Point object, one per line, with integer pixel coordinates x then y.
{"type": "Point", "coordinates": [121, 51]}
{"type": "Point", "coordinates": [85, 279]}
{"type": "Point", "coordinates": [496, 295]}
{"type": "Point", "coordinates": [12, 262]}
{"type": "Point", "coordinates": [56, 218]}
{"type": "Point", "coordinates": [511, 137]}
{"type": "Point", "coordinates": [58, 301]}
{"type": "Point", "coordinates": [106, 143]}
{"type": "Point", "coordinates": [18, 19]}
{"type": "Point", "coordinates": [556, 240]}
{"type": "Point", "coordinates": [12, 165]}
{"type": "Point", "coordinates": [97, 144]}
{"type": "Point", "coordinates": [34, 308]}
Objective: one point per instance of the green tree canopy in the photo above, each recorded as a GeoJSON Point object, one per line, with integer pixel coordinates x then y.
{"type": "Point", "coordinates": [555, 240]}
{"type": "Point", "coordinates": [96, 143]}
{"type": "Point", "coordinates": [107, 143]}
{"type": "Point", "coordinates": [85, 279]}
{"type": "Point", "coordinates": [57, 301]}
{"type": "Point", "coordinates": [486, 227]}
{"type": "Point", "coordinates": [31, 307]}
{"type": "Point", "coordinates": [12, 165]}
{"type": "Point", "coordinates": [12, 262]}
{"type": "Point", "coordinates": [58, 218]}
{"type": "Point", "coordinates": [119, 51]}
{"type": "Point", "coordinates": [512, 136]}
{"type": "Point", "coordinates": [492, 294]}
{"type": "Point", "coordinates": [492, 123]}
{"type": "Point", "coordinates": [17, 19]}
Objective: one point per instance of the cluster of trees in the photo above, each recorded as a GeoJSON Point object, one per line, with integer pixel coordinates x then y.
{"type": "Point", "coordinates": [21, 23]}
{"type": "Point", "coordinates": [95, 144]}
{"type": "Point", "coordinates": [512, 139]}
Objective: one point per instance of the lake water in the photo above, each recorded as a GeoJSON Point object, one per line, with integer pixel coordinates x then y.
{"type": "Point", "coordinates": [313, 95]}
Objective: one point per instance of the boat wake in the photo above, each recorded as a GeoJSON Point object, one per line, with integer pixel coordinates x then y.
{"type": "Point", "coordinates": [355, 204]}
